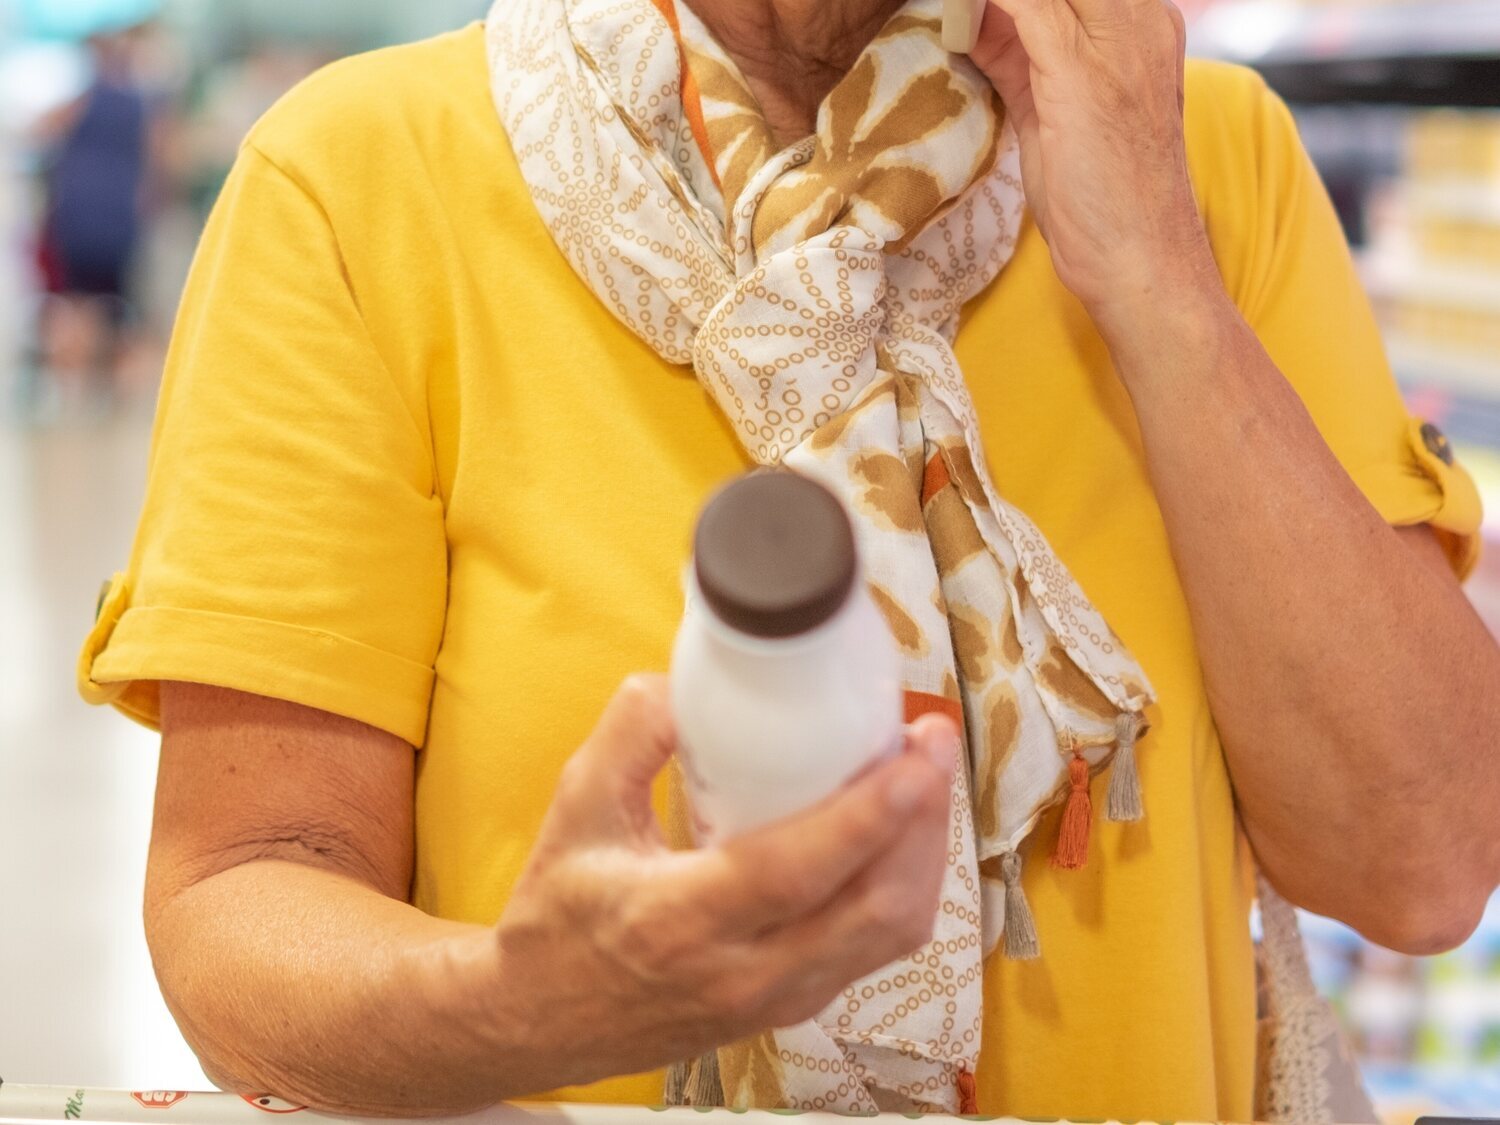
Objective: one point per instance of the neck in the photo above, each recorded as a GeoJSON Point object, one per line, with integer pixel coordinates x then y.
{"type": "Point", "coordinates": [793, 52]}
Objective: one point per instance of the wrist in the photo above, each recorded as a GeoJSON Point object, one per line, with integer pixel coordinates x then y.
{"type": "Point", "coordinates": [1170, 325]}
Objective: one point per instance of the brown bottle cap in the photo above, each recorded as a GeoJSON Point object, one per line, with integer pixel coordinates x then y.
{"type": "Point", "coordinates": [774, 554]}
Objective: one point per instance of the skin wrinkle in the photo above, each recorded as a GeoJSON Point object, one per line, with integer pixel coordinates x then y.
{"type": "Point", "coordinates": [341, 838]}
{"type": "Point", "coordinates": [793, 52]}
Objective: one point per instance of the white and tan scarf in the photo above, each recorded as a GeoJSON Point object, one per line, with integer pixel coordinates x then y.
{"type": "Point", "coordinates": [816, 290]}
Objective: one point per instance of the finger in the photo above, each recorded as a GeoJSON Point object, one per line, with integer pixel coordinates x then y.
{"type": "Point", "coordinates": [885, 914]}
{"type": "Point", "coordinates": [1048, 30]}
{"type": "Point", "coordinates": [997, 35]}
{"type": "Point", "coordinates": [605, 788]}
{"type": "Point", "coordinates": [1094, 14]}
{"type": "Point", "coordinates": [1179, 30]}
{"type": "Point", "coordinates": [937, 737]}
{"type": "Point", "coordinates": [1004, 60]}
{"type": "Point", "coordinates": [1001, 56]}
{"type": "Point", "coordinates": [1097, 15]}
{"type": "Point", "coordinates": [775, 874]}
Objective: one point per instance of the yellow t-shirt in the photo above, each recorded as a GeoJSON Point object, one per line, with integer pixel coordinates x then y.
{"type": "Point", "coordinates": [408, 469]}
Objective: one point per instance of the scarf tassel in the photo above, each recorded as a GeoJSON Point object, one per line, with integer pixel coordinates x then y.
{"type": "Point", "coordinates": [704, 1087]}
{"type": "Point", "coordinates": [1124, 780]}
{"type": "Point", "coordinates": [674, 1093]}
{"type": "Point", "coordinates": [1078, 814]}
{"type": "Point", "coordinates": [968, 1094]}
{"type": "Point", "coordinates": [1020, 929]}
{"type": "Point", "coordinates": [695, 1083]}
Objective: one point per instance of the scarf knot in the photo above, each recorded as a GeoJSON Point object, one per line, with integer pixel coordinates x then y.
{"type": "Point", "coordinates": [796, 340]}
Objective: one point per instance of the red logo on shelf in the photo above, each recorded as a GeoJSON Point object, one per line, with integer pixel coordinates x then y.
{"type": "Point", "coordinates": [158, 1099]}
{"type": "Point", "coordinates": [267, 1104]}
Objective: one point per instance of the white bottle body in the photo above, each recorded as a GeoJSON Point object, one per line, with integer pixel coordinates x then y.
{"type": "Point", "coordinates": [769, 727]}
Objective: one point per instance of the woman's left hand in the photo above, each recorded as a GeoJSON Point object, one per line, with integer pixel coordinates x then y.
{"type": "Point", "coordinates": [1095, 90]}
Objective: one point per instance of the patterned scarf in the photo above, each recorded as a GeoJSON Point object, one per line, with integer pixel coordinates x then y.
{"type": "Point", "coordinates": [816, 290]}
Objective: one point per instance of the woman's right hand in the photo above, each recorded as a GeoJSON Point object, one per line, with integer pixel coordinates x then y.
{"type": "Point", "coordinates": [624, 955]}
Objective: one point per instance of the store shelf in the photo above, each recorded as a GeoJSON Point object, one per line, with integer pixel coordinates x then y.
{"type": "Point", "coordinates": [1276, 31]}
{"type": "Point", "coordinates": [1444, 52]}
{"type": "Point", "coordinates": [1465, 201]}
{"type": "Point", "coordinates": [1409, 278]}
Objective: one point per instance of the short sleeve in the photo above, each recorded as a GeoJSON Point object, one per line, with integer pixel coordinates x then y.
{"type": "Point", "coordinates": [292, 541]}
{"type": "Point", "coordinates": [1293, 276]}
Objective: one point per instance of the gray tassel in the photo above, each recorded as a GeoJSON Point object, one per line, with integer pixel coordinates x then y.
{"type": "Point", "coordinates": [1020, 930]}
{"type": "Point", "coordinates": [675, 1092]}
{"type": "Point", "coordinates": [1124, 781]}
{"type": "Point", "coordinates": [704, 1087]}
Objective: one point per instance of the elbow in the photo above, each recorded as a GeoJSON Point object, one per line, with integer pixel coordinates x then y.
{"type": "Point", "coordinates": [211, 1041]}
{"type": "Point", "coordinates": [1424, 926]}
{"type": "Point", "coordinates": [1423, 912]}
{"type": "Point", "coordinates": [1435, 904]}
{"type": "Point", "coordinates": [1417, 909]}
{"type": "Point", "coordinates": [172, 955]}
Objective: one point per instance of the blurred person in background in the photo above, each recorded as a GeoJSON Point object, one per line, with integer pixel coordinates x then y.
{"type": "Point", "coordinates": [96, 157]}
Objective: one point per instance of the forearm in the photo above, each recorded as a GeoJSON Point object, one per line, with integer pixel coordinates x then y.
{"type": "Point", "coordinates": [296, 981]}
{"type": "Point", "coordinates": [1354, 688]}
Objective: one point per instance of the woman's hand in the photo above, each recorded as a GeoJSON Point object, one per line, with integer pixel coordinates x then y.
{"type": "Point", "coordinates": [622, 955]}
{"type": "Point", "coordinates": [1095, 89]}
{"type": "Point", "coordinates": [282, 856]}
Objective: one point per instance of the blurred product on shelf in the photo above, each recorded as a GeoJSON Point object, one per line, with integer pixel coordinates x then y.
{"type": "Point", "coordinates": [1427, 1030]}
{"type": "Point", "coordinates": [1412, 52]}
{"type": "Point", "coordinates": [1433, 264]}
{"type": "Point", "coordinates": [1384, 1003]}
{"type": "Point", "coordinates": [1464, 147]}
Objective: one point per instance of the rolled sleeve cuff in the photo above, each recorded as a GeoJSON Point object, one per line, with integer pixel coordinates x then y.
{"type": "Point", "coordinates": [1429, 487]}
{"type": "Point", "coordinates": [132, 649]}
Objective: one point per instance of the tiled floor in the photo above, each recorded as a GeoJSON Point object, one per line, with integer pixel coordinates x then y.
{"type": "Point", "coordinates": [78, 1003]}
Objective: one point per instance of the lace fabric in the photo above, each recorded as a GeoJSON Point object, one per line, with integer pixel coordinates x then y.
{"type": "Point", "coordinates": [1305, 1071]}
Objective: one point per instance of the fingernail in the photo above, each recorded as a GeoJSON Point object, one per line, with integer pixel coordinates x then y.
{"type": "Point", "coordinates": [907, 790]}
{"type": "Point", "coordinates": [943, 753]}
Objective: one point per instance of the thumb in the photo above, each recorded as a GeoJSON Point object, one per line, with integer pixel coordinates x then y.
{"type": "Point", "coordinates": [605, 790]}
{"type": "Point", "coordinates": [997, 36]}
{"type": "Point", "coordinates": [938, 739]}
{"type": "Point", "coordinates": [1002, 57]}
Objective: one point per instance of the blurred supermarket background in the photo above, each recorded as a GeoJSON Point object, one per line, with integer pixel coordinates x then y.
{"type": "Point", "coordinates": [118, 120]}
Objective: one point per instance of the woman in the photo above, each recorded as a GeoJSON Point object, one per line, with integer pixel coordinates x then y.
{"type": "Point", "coordinates": [91, 225]}
{"type": "Point", "coordinates": [430, 449]}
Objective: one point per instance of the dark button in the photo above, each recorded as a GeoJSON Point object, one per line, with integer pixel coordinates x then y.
{"type": "Point", "coordinates": [1437, 443]}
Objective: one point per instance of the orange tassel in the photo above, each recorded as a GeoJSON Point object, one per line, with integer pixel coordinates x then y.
{"type": "Point", "coordinates": [968, 1096]}
{"type": "Point", "coordinates": [1078, 814]}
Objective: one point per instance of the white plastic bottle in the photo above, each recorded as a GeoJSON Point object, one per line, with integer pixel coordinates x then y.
{"type": "Point", "coordinates": [786, 682]}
